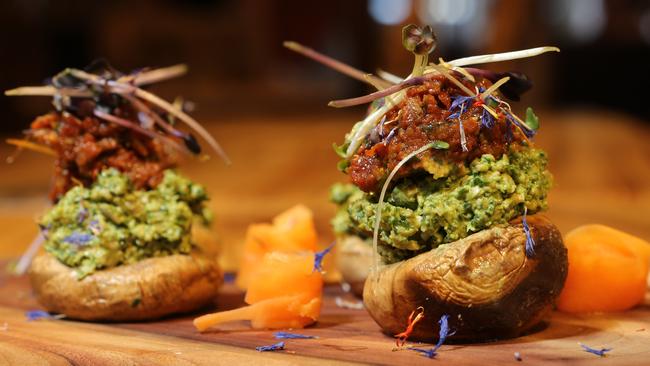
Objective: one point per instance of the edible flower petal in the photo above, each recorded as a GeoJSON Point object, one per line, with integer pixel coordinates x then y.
{"type": "Point", "coordinates": [442, 336]}
{"type": "Point", "coordinates": [78, 238]}
{"type": "Point", "coordinates": [599, 352]}
{"type": "Point", "coordinates": [286, 335]}
{"type": "Point", "coordinates": [41, 314]}
{"type": "Point", "coordinates": [273, 347]}
{"type": "Point", "coordinates": [530, 242]}
{"type": "Point", "coordinates": [412, 320]}
{"type": "Point", "coordinates": [318, 258]}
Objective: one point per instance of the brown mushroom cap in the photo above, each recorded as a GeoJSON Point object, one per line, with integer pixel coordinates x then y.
{"type": "Point", "coordinates": [353, 260]}
{"type": "Point", "coordinates": [148, 289]}
{"type": "Point", "coordinates": [485, 283]}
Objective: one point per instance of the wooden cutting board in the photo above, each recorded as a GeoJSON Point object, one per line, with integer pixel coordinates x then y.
{"type": "Point", "coordinates": [344, 336]}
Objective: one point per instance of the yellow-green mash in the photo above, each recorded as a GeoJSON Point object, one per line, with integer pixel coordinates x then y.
{"type": "Point", "coordinates": [110, 223]}
{"type": "Point", "coordinates": [421, 213]}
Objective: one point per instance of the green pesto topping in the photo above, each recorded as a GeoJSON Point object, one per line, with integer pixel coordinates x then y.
{"type": "Point", "coordinates": [421, 214]}
{"type": "Point", "coordinates": [110, 223]}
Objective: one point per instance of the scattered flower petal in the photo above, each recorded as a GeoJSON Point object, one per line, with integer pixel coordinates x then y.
{"type": "Point", "coordinates": [410, 323]}
{"type": "Point", "coordinates": [442, 336]}
{"type": "Point", "coordinates": [273, 347]}
{"type": "Point", "coordinates": [318, 258]}
{"type": "Point", "coordinates": [41, 314]}
{"type": "Point", "coordinates": [78, 238]}
{"type": "Point", "coordinates": [285, 335]}
{"type": "Point", "coordinates": [599, 352]}
{"type": "Point", "coordinates": [530, 242]}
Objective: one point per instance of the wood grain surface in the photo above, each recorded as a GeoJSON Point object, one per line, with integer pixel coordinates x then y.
{"type": "Point", "coordinates": [344, 335]}
{"type": "Point", "coordinates": [601, 164]}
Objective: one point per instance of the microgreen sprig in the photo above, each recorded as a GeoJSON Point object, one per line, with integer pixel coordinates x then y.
{"type": "Point", "coordinates": [421, 41]}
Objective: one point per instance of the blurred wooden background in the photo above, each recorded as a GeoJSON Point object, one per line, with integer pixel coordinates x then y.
{"type": "Point", "coordinates": [268, 106]}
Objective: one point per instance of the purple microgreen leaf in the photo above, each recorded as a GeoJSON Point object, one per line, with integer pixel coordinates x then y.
{"type": "Point", "coordinates": [419, 40]}
{"type": "Point", "coordinates": [286, 335]}
{"type": "Point", "coordinates": [192, 144]}
{"type": "Point", "coordinates": [530, 242]}
{"type": "Point", "coordinates": [599, 352]}
{"type": "Point", "coordinates": [273, 347]}
{"type": "Point", "coordinates": [518, 356]}
{"type": "Point", "coordinates": [513, 89]}
{"type": "Point", "coordinates": [318, 258]}
{"type": "Point", "coordinates": [378, 94]}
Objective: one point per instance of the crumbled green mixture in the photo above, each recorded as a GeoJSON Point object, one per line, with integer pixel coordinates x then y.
{"type": "Point", "coordinates": [110, 223]}
{"type": "Point", "coordinates": [421, 214]}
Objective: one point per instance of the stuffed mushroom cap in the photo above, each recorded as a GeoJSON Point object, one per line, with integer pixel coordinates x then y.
{"type": "Point", "coordinates": [148, 289]}
{"type": "Point", "coordinates": [486, 283]}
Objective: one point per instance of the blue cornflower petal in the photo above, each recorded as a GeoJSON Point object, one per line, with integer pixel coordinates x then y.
{"type": "Point", "coordinates": [442, 336]}
{"type": "Point", "coordinates": [78, 238]}
{"type": "Point", "coordinates": [431, 353]}
{"type": "Point", "coordinates": [32, 315]}
{"type": "Point", "coordinates": [529, 133]}
{"type": "Point", "coordinates": [285, 335]}
{"type": "Point", "coordinates": [530, 242]}
{"type": "Point", "coordinates": [272, 347]}
{"type": "Point", "coordinates": [318, 258]}
{"type": "Point", "coordinates": [600, 352]}
{"type": "Point", "coordinates": [459, 103]}
{"type": "Point", "coordinates": [82, 214]}
{"type": "Point", "coordinates": [487, 120]}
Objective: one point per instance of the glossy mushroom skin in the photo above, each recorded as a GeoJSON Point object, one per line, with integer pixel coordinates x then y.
{"type": "Point", "coordinates": [148, 289]}
{"type": "Point", "coordinates": [485, 283]}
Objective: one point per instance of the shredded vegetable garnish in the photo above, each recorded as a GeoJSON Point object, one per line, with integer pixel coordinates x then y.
{"type": "Point", "coordinates": [24, 144]}
{"type": "Point", "coordinates": [286, 335]}
{"type": "Point", "coordinates": [442, 337]}
{"type": "Point", "coordinates": [596, 351]}
{"type": "Point", "coordinates": [518, 356]}
{"type": "Point", "coordinates": [380, 204]}
{"type": "Point", "coordinates": [345, 304]}
{"type": "Point", "coordinates": [530, 242]}
{"type": "Point", "coordinates": [273, 347]}
{"type": "Point", "coordinates": [70, 85]}
{"type": "Point", "coordinates": [318, 258]}
{"type": "Point", "coordinates": [463, 138]}
{"type": "Point", "coordinates": [493, 88]}
{"type": "Point", "coordinates": [505, 56]}
{"type": "Point", "coordinates": [26, 259]}
{"type": "Point", "coordinates": [415, 316]}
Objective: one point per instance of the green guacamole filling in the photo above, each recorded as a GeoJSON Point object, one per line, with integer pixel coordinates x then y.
{"type": "Point", "coordinates": [421, 213]}
{"type": "Point", "coordinates": [110, 223]}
